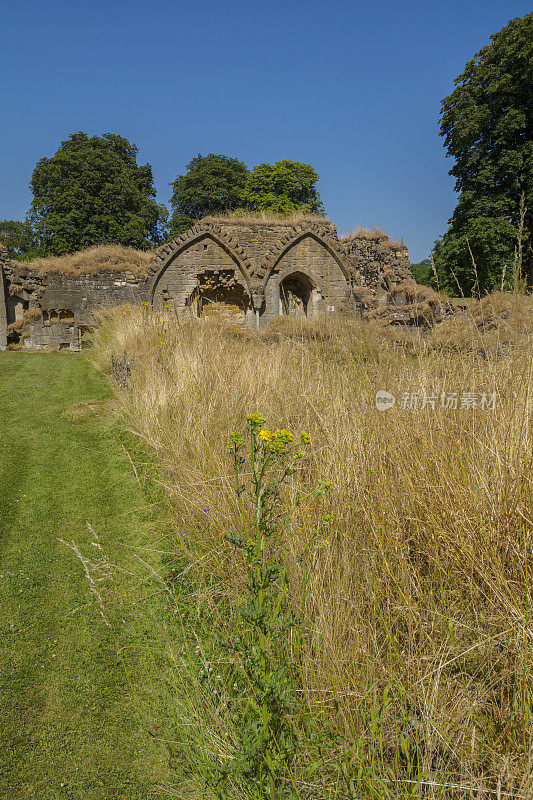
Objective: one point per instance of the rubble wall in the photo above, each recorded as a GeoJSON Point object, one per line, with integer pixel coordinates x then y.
{"type": "Point", "coordinates": [247, 270]}
{"type": "Point", "coordinates": [54, 310]}
{"type": "Point", "coordinates": [3, 293]}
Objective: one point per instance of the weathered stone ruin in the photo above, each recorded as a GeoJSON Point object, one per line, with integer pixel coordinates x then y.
{"type": "Point", "coordinates": [244, 269]}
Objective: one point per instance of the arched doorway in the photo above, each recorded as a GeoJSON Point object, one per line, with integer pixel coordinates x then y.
{"type": "Point", "coordinates": [295, 295]}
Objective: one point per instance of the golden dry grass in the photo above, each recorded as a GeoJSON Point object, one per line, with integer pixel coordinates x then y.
{"type": "Point", "coordinates": [416, 611]}
{"type": "Point", "coordinates": [374, 232]}
{"type": "Point", "coordinates": [264, 217]}
{"type": "Point", "coordinates": [32, 313]}
{"type": "Point", "coordinates": [497, 324]}
{"type": "Point", "coordinates": [101, 258]}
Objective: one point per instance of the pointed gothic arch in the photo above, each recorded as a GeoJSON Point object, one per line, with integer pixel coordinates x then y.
{"type": "Point", "coordinates": [167, 256]}
{"type": "Point", "coordinates": [305, 275]}
{"type": "Point", "coordinates": [283, 248]}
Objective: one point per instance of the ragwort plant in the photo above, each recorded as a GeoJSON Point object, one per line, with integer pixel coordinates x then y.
{"type": "Point", "coordinates": [272, 726]}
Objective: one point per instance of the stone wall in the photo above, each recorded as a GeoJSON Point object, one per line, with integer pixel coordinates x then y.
{"type": "Point", "coordinates": [54, 310]}
{"type": "Point", "coordinates": [4, 289]}
{"type": "Point", "coordinates": [282, 266]}
{"type": "Point", "coordinates": [203, 278]}
{"type": "Point", "coordinates": [375, 260]}
{"type": "Point", "coordinates": [308, 281]}
{"type": "Point", "coordinates": [248, 270]}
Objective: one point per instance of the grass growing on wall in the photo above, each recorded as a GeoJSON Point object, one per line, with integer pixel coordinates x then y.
{"type": "Point", "coordinates": [407, 641]}
{"type": "Point", "coordinates": [92, 260]}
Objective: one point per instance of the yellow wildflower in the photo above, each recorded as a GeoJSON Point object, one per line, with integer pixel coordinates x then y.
{"type": "Point", "coordinates": [255, 419]}
{"type": "Point", "coordinates": [278, 447]}
{"type": "Point", "coordinates": [305, 438]}
{"type": "Point", "coordinates": [283, 435]}
{"type": "Point", "coordinates": [266, 435]}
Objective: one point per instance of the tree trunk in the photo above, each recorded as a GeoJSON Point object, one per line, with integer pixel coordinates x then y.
{"type": "Point", "coordinates": [529, 223]}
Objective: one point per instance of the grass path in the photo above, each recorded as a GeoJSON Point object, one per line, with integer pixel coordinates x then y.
{"type": "Point", "coordinates": [68, 721]}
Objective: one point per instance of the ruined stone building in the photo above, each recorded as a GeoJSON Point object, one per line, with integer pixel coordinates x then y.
{"type": "Point", "coordinates": [247, 269]}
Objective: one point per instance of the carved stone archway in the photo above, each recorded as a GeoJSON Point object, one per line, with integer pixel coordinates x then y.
{"type": "Point", "coordinates": [296, 295]}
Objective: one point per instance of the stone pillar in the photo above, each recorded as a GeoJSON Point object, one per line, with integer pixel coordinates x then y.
{"type": "Point", "coordinates": [3, 299]}
{"type": "Point", "coordinates": [258, 298]}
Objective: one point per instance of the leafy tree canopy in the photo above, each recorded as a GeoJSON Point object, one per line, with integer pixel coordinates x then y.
{"type": "Point", "coordinates": [92, 191]}
{"type": "Point", "coordinates": [423, 272]}
{"type": "Point", "coordinates": [18, 237]}
{"type": "Point", "coordinates": [283, 187]}
{"type": "Point", "coordinates": [487, 124]}
{"type": "Point", "coordinates": [212, 184]}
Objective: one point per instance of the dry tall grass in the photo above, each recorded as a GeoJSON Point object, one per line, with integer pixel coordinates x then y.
{"type": "Point", "coordinates": [417, 613]}
{"type": "Point", "coordinates": [365, 232]}
{"type": "Point", "coordinates": [274, 218]}
{"type": "Point", "coordinates": [100, 258]}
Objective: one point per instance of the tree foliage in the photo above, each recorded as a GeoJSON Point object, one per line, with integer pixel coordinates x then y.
{"type": "Point", "coordinates": [18, 237]}
{"type": "Point", "coordinates": [283, 187]}
{"type": "Point", "coordinates": [212, 184]}
{"type": "Point", "coordinates": [423, 272]}
{"type": "Point", "coordinates": [487, 125]}
{"type": "Point", "coordinates": [92, 191]}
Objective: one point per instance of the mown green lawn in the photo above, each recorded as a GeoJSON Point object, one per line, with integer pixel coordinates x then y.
{"type": "Point", "coordinates": [68, 721]}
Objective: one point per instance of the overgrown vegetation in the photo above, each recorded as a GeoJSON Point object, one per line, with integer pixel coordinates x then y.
{"type": "Point", "coordinates": [242, 216]}
{"type": "Point", "coordinates": [212, 184]}
{"type": "Point", "coordinates": [402, 660]}
{"type": "Point", "coordinates": [95, 259]}
{"type": "Point", "coordinates": [487, 123]}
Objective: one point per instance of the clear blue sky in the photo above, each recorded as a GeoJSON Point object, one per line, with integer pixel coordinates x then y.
{"type": "Point", "coordinates": [353, 88]}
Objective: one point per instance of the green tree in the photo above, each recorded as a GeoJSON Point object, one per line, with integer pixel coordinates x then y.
{"type": "Point", "coordinates": [423, 272]}
{"type": "Point", "coordinates": [487, 124]}
{"type": "Point", "coordinates": [212, 184]}
{"type": "Point", "coordinates": [283, 187]}
{"type": "Point", "coordinates": [18, 237]}
{"type": "Point", "coordinates": [92, 191]}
